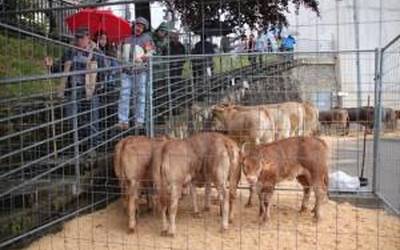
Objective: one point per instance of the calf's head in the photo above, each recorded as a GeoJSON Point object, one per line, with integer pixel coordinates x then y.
{"type": "Point", "coordinates": [250, 165]}
{"type": "Point", "coordinates": [397, 114]}
{"type": "Point", "coordinates": [219, 114]}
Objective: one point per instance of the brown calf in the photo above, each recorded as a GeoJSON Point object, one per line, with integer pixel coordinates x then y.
{"type": "Point", "coordinates": [397, 114]}
{"type": "Point", "coordinates": [212, 157]}
{"type": "Point", "coordinates": [303, 158]}
{"type": "Point", "coordinates": [132, 165]}
{"type": "Point", "coordinates": [311, 119]}
{"type": "Point", "coordinates": [339, 118]}
{"type": "Point", "coordinates": [252, 124]}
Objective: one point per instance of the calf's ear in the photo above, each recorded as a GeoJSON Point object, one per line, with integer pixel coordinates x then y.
{"type": "Point", "coordinates": [195, 108]}
{"type": "Point", "coordinates": [166, 137]}
{"type": "Point", "coordinates": [244, 149]}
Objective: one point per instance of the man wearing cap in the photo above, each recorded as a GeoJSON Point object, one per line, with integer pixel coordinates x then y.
{"type": "Point", "coordinates": [160, 38]}
{"type": "Point", "coordinates": [160, 71]}
{"type": "Point", "coordinates": [176, 49]}
{"type": "Point", "coordinates": [81, 91]}
{"type": "Point", "coordinates": [202, 67]}
{"type": "Point", "coordinates": [134, 80]}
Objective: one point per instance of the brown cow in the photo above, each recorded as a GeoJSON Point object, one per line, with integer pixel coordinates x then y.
{"type": "Point", "coordinates": [132, 165]}
{"type": "Point", "coordinates": [303, 158]}
{"type": "Point", "coordinates": [397, 114]}
{"type": "Point", "coordinates": [245, 124]}
{"type": "Point", "coordinates": [296, 113]}
{"type": "Point", "coordinates": [303, 117]}
{"type": "Point", "coordinates": [311, 119]}
{"type": "Point", "coordinates": [209, 156]}
{"type": "Point", "coordinates": [337, 117]}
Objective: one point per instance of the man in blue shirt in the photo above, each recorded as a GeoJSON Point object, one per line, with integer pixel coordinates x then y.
{"type": "Point", "coordinates": [81, 91]}
{"type": "Point", "coordinates": [288, 43]}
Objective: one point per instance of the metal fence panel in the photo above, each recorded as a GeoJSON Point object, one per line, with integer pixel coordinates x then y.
{"type": "Point", "coordinates": [56, 153]}
{"type": "Point", "coordinates": [388, 158]}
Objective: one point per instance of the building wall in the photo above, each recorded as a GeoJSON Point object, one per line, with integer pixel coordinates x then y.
{"type": "Point", "coordinates": [317, 83]}
{"type": "Point", "coordinates": [379, 23]}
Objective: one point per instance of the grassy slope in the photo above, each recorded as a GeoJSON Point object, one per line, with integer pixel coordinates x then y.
{"type": "Point", "coordinates": [24, 57]}
{"type": "Point", "coordinates": [21, 57]}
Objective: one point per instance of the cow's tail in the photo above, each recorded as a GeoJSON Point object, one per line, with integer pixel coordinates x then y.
{"type": "Point", "coordinates": [326, 179]}
{"type": "Point", "coordinates": [117, 158]}
{"type": "Point", "coordinates": [160, 166]}
{"type": "Point", "coordinates": [118, 165]}
{"type": "Point", "coordinates": [325, 169]}
{"type": "Point", "coordinates": [235, 170]}
{"type": "Point", "coordinates": [323, 143]}
{"type": "Point", "coordinates": [326, 184]}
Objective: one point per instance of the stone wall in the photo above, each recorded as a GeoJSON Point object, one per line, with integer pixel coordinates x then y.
{"type": "Point", "coordinates": [317, 83]}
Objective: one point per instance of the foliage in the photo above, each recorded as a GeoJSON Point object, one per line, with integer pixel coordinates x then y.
{"type": "Point", "coordinates": [237, 13]}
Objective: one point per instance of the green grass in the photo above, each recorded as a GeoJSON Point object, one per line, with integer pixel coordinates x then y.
{"type": "Point", "coordinates": [21, 57]}
{"type": "Point", "coordinates": [221, 64]}
{"type": "Point", "coordinates": [228, 63]}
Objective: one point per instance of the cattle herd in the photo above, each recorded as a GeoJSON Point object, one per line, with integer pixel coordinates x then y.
{"type": "Point", "coordinates": [267, 143]}
{"type": "Point", "coordinates": [342, 117]}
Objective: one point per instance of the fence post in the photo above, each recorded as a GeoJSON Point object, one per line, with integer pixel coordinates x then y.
{"type": "Point", "coordinates": [150, 120]}
{"type": "Point", "coordinates": [377, 114]}
{"type": "Point", "coordinates": [170, 106]}
{"type": "Point", "coordinates": [74, 110]}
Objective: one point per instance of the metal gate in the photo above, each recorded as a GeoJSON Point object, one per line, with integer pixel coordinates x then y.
{"type": "Point", "coordinates": [387, 157]}
{"type": "Point", "coordinates": [56, 160]}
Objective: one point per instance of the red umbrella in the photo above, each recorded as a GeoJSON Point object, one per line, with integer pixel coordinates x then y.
{"type": "Point", "coordinates": [95, 20]}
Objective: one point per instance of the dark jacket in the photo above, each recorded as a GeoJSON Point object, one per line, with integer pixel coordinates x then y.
{"type": "Point", "coordinates": [78, 59]}
{"type": "Point", "coordinates": [203, 47]}
{"type": "Point", "coordinates": [176, 65]}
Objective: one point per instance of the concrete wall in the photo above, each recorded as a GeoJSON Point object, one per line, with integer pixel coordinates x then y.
{"type": "Point", "coordinates": [317, 83]}
{"type": "Point", "coordinates": [378, 23]}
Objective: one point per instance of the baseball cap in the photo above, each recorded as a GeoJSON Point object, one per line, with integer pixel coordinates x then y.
{"type": "Point", "coordinates": [81, 32]}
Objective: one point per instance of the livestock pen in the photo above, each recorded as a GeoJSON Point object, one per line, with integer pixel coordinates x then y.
{"type": "Point", "coordinates": [58, 189]}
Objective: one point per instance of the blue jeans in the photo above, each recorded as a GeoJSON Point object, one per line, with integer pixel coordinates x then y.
{"type": "Point", "coordinates": [87, 114]}
{"type": "Point", "coordinates": [136, 85]}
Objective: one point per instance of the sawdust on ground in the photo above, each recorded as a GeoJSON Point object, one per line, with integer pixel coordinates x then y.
{"type": "Point", "coordinates": [344, 226]}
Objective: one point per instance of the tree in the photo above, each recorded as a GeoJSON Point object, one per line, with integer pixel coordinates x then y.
{"type": "Point", "coordinates": [237, 12]}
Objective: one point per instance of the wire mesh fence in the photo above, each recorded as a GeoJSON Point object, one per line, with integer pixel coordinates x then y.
{"type": "Point", "coordinates": [59, 135]}
{"type": "Point", "coordinates": [43, 17]}
{"type": "Point", "coordinates": [388, 94]}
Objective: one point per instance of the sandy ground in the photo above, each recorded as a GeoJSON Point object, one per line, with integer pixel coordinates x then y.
{"type": "Point", "coordinates": [344, 226]}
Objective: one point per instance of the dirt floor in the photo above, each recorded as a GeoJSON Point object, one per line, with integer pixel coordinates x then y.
{"type": "Point", "coordinates": [344, 226]}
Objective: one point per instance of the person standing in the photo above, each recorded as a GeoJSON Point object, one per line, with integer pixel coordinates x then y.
{"type": "Point", "coordinates": [175, 48]}
{"type": "Point", "coordinates": [160, 71]}
{"type": "Point", "coordinates": [279, 42]}
{"type": "Point", "coordinates": [81, 91]}
{"type": "Point", "coordinates": [160, 38]}
{"type": "Point", "coordinates": [108, 97]}
{"type": "Point", "coordinates": [251, 48]}
{"type": "Point", "coordinates": [261, 45]}
{"type": "Point", "coordinates": [203, 66]}
{"type": "Point", "coordinates": [225, 44]}
{"type": "Point", "coordinates": [177, 51]}
{"type": "Point", "coordinates": [242, 47]}
{"type": "Point", "coordinates": [288, 46]}
{"type": "Point", "coordinates": [289, 43]}
{"type": "Point", "coordinates": [272, 39]}
{"type": "Point", "coordinates": [134, 80]}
